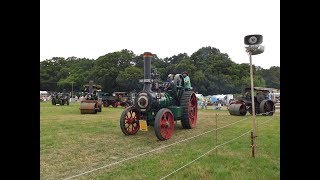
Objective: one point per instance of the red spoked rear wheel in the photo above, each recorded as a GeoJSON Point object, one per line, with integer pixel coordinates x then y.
{"type": "Point", "coordinates": [267, 108]}
{"type": "Point", "coordinates": [189, 104]}
{"type": "Point", "coordinates": [193, 110]}
{"type": "Point", "coordinates": [129, 121]}
{"type": "Point", "coordinates": [164, 124]}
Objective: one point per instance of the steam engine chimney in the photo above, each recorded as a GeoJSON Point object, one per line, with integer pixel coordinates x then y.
{"type": "Point", "coordinates": [90, 86]}
{"type": "Point", "coordinates": [147, 71]}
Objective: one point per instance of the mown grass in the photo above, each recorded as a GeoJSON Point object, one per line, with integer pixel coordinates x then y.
{"type": "Point", "coordinates": [72, 143]}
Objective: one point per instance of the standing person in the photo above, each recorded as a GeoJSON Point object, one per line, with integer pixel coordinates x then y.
{"type": "Point", "coordinates": [219, 105]}
{"type": "Point", "coordinates": [169, 82]}
{"type": "Point", "coordinates": [187, 82]}
{"type": "Point", "coordinates": [205, 104]}
{"type": "Point", "coordinates": [202, 104]}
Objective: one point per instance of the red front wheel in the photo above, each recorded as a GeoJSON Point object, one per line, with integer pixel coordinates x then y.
{"type": "Point", "coordinates": [129, 121]}
{"type": "Point", "coordinates": [164, 124]}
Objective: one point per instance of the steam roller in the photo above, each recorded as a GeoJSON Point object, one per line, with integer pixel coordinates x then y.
{"type": "Point", "coordinates": [92, 104]}
{"type": "Point", "coordinates": [262, 105]}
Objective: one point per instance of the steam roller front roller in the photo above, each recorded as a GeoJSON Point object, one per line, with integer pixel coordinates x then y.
{"type": "Point", "coordinates": [237, 109]}
{"type": "Point", "coordinates": [189, 104]}
{"type": "Point", "coordinates": [88, 107]}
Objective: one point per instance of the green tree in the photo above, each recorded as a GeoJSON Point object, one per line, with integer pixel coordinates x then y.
{"type": "Point", "coordinates": [75, 73]}
{"type": "Point", "coordinates": [50, 73]}
{"type": "Point", "coordinates": [210, 71]}
{"type": "Point", "coordinates": [271, 76]}
{"type": "Point", "coordinates": [107, 68]}
{"type": "Point", "coordinates": [128, 79]}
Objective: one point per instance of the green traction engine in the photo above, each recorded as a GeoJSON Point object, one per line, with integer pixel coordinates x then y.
{"type": "Point", "coordinates": [155, 107]}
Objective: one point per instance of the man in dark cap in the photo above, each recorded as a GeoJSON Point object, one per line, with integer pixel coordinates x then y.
{"type": "Point", "coordinates": [169, 83]}
{"type": "Point", "coordinates": [187, 83]}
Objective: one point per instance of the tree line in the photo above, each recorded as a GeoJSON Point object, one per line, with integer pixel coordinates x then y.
{"type": "Point", "coordinates": [211, 72]}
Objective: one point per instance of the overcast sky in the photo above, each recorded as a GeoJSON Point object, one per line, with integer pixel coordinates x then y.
{"type": "Point", "coordinates": [90, 29]}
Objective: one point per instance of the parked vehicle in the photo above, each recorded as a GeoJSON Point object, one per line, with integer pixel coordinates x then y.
{"type": "Point", "coordinates": [60, 98]}
{"type": "Point", "coordinates": [92, 102]}
{"type": "Point", "coordinates": [262, 104]}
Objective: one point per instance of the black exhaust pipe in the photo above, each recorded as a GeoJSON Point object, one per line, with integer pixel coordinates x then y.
{"type": "Point", "coordinates": [90, 86]}
{"type": "Point", "coordinates": [147, 71]}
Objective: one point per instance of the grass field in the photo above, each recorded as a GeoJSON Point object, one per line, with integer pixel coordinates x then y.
{"type": "Point", "coordinates": [72, 143]}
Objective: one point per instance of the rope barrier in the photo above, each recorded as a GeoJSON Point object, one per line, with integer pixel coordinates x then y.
{"type": "Point", "coordinates": [126, 159]}
{"type": "Point", "coordinates": [212, 150]}
{"type": "Point", "coordinates": [205, 154]}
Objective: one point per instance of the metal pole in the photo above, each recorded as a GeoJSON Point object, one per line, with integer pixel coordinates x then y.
{"type": "Point", "coordinates": [216, 134]}
{"type": "Point", "coordinates": [253, 108]}
{"type": "Point", "coordinates": [71, 89]}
